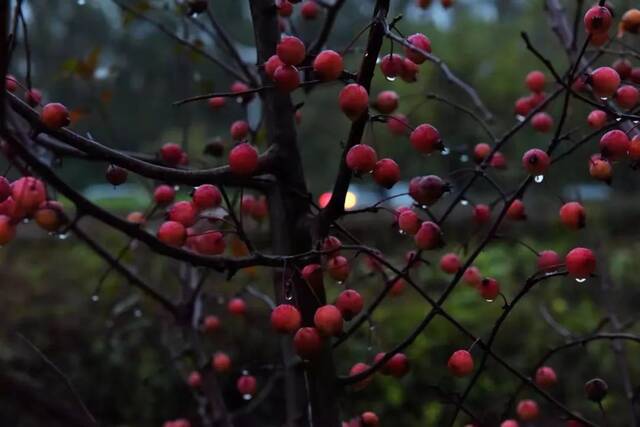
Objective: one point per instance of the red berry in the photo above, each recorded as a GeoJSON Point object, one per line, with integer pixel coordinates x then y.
{"type": "Point", "coordinates": [331, 245]}
{"type": "Point", "coordinates": [446, 3]}
{"type": "Point", "coordinates": [172, 233]}
{"type": "Point", "coordinates": [387, 101]}
{"type": "Point", "coordinates": [623, 67]}
{"type": "Point", "coordinates": [237, 306]}
{"type": "Point", "coordinates": [206, 196]}
{"type": "Point", "coordinates": [307, 343]}
{"type": "Point", "coordinates": [425, 139]}
{"type": "Point", "coordinates": [210, 323]}
{"type": "Point", "coordinates": [489, 288]}
{"type": "Point", "coordinates": [627, 97]}
{"type": "Point", "coordinates": [116, 175]}
{"type": "Point", "coordinates": [33, 97]}
{"type": "Point", "coordinates": [285, 319]}
{"type": "Point", "coordinates": [272, 64]}
{"type": "Point", "coordinates": [509, 423]}
{"type": "Point", "coordinates": [634, 148]}
{"type": "Point", "coordinates": [164, 194]}
{"type": "Point", "coordinates": [481, 151]}
{"type": "Point", "coordinates": [369, 419]}
{"type": "Point", "coordinates": [460, 363]}
{"type": "Point", "coordinates": [423, 4]}
{"type": "Point", "coordinates": [328, 65]}
{"type": "Point", "coordinates": [195, 379]}
{"type": "Point", "coordinates": [239, 89]}
{"type": "Point", "coordinates": [548, 260]}
{"type": "Point", "coordinates": [286, 78]}
{"type": "Point", "coordinates": [614, 144]}
{"type": "Point", "coordinates": [386, 173]}
{"type": "Point", "coordinates": [7, 229]}
{"type": "Point", "coordinates": [604, 81]}
{"type": "Point", "coordinates": [171, 153]}
{"type": "Point", "coordinates": [397, 124]}
{"type": "Point", "coordinates": [498, 161]}
{"type": "Point", "coordinates": [420, 41]}
{"type": "Point", "coordinates": [481, 214]}
{"type": "Point", "coordinates": [472, 276]}
{"type": "Point", "coordinates": [572, 215]}
{"type": "Point", "coordinates": [542, 122]}
{"type": "Point", "coordinates": [357, 369]}
{"type": "Point", "coordinates": [581, 263]}
{"type": "Point", "coordinates": [535, 81]}
{"type": "Point", "coordinates": [600, 168]}
{"type": "Point", "coordinates": [243, 159]}
{"type": "Point", "coordinates": [217, 102]}
{"type": "Point", "coordinates": [27, 193]}
{"type": "Point", "coordinates": [428, 236]}
{"type": "Point", "coordinates": [397, 366]}
{"type": "Point", "coordinates": [291, 50]}
{"type": "Point", "coordinates": [312, 273]}
{"type": "Point", "coordinates": [527, 410]}
{"type": "Point", "coordinates": [221, 362]}
{"type": "Point", "coordinates": [239, 130]}
{"type": "Point", "coordinates": [50, 215]}
{"type": "Point", "coordinates": [361, 158]}
{"type": "Point", "coordinates": [183, 212]}
{"type": "Point", "coordinates": [353, 100]}
{"type": "Point", "coordinates": [408, 222]}
{"type": "Point", "coordinates": [397, 287]}
{"type": "Point", "coordinates": [55, 116]}
{"type": "Point", "coordinates": [338, 268]}
{"type": "Point", "coordinates": [285, 8]}
{"type": "Point", "coordinates": [426, 190]}
{"type": "Point", "coordinates": [409, 71]}
{"type": "Point", "coordinates": [597, 119]}
{"type": "Point", "coordinates": [522, 106]}
{"type": "Point", "coordinates": [328, 320]}
{"type": "Point", "coordinates": [10, 83]}
{"type": "Point", "coordinates": [450, 263]}
{"type": "Point", "coordinates": [350, 303]}
{"type": "Point", "coordinates": [597, 20]}
{"type": "Point", "coordinates": [247, 385]}
{"type": "Point", "coordinates": [536, 161]}
{"type": "Point", "coordinates": [392, 65]}
{"type": "Point", "coordinates": [310, 10]}
{"type": "Point", "coordinates": [208, 243]}
{"type": "Point", "coordinates": [546, 377]}
{"type": "Point", "coordinates": [516, 210]}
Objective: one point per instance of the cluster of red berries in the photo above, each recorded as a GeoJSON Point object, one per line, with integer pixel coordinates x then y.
{"type": "Point", "coordinates": [535, 81]}
{"type": "Point", "coordinates": [309, 10]}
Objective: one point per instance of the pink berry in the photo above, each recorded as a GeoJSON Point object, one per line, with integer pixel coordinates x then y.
{"type": "Point", "coordinates": [450, 263]}
{"type": "Point", "coordinates": [328, 320]}
{"type": "Point", "coordinates": [361, 158]}
{"type": "Point", "coordinates": [542, 122]}
{"type": "Point", "coordinates": [172, 233]}
{"type": "Point", "coordinates": [354, 100]}
{"type": "Point", "coordinates": [328, 65]}
{"type": "Point", "coordinates": [581, 263]}
{"type": "Point", "coordinates": [572, 215]}
{"type": "Point", "coordinates": [460, 363]}
{"type": "Point", "coordinates": [604, 81]}
{"type": "Point", "coordinates": [55, 116]}
{"type": "Point", "coordinates": [171, 153]}
{"type": "Point", "coordinates": [291, 50]}
{"type": "Point", "coordinates": [614, 144]}
{"type": "Point", "coordinates": [243, 159]}
{"type": "Point", "coordinates": [350, 303]}
{"type": "Point", "coordinates": [285, 319]}
{"type": "Point", "coordinates": [535, 81]}
{"type": "Point", "coordinates": [428, 236]}
{"type": "Point", "coordinates": [549, 260]}
{"type": "Point", "coordinates": [387, 101]}
{"type": "Point", "coordinates": [307, 343]}
{"type": "Point", "coordinates": [596, 119]}
{"type": "Point", "coordinates": [425, 139]}
{"type": "Point", "coordinates": [535, 161]}
{"type": "Point", "coordinates": [386, 173]}
{"type": "Point", "coordinates": [597, 20]}
{"type": "Point", "coordinates": [420, 41]}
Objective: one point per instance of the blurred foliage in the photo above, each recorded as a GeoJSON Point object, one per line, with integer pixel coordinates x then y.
{"type": "Point", "coordinates": [120, 76]}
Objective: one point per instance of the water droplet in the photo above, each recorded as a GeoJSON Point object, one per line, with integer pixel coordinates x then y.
{"type": "Point", "coordinates": [604, 98]}
{"type": "Point", "coordinates": [288, 296]}
{"type": "Point", "coordinates": [339, 282]}
{"type": "Point", "coordinates": [635, 122]}
{"type": "Point", "coordinates": [137, 312]}
{"type": "Point", "coordinates": [489, 300]}
{"type": "Point", "coordinates": [239, 99]}
{"type": "Point", "coordinates": [538, 178]}
{"type": "Point", "coordinates": [245, 372]}
{"type": "Point", "coordinates": [25, 221]}
{"type": "Point", "coordinates": [581, 279]}
{"type": "Point", "coordinates": [247, 396]}
{"type": "Point", "coordinates": [63, 236]}
{"type": "Point", "coordinates": [464, 158]}
{"type": "Point", "coordinates": [391, 78]}
{"type": "Point", "coordinates": [424, 207]}
{"type": "Point", "coordinates": [445, 151]}
{"type": "Point", "coordinates": [618, 119]}
{"type": "Point", "coordinates": [95, 298]}
{"type": "Point", "coordinates": [520, 118]}
{"type": "Point", "coordinates": [401, 232]}
{"type": "Point", "coordinates": [176, 188]}
{"type": "Point", "coordinates": [464, 202]}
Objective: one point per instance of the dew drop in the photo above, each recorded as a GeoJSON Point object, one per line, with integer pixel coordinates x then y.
{"type": "Point", "coordinates": [489, 300]}
{"type": "Point", "coordinates": [464, 158]}
{"type": "Point", "coordinates": [635, 122]}
{"type": "Point", "coordinates": [288, 296]}
{"type": "Point", "coordinates": [520, 118]}
{"type": "Point", "coordinates": [245, 372]}
{"type": "Point", "coordinates": [424, 207]}
{"type": "Point", "coordinates": [390, 78]}
{"type": "Point", "coordinates": [581, 280]}
{"type": "Point", "coordinates": [95, 298]}
{"type": "Point", "coordinates": [464, 202]}
{"type": "Point", "coordinates": [239, 99]}
{"type": "Point", "coordinates": [25, 221]}
{"type": "Point", "coordinates": [445, 151]}
{"type": "Point", "coordinates": [247, 396]}
{"type": "Point", "coordinates": [604, 98]}
{"type": "Point", "coordinates": [401, 232]}
{"type": "Point", "coordinates": [137, 312]}
{"type": "Point", "coordinates": [176, 188]}
{"type": "Point", "coordinates": [63, 236]}
{"type": "Point", "coordinates": [339, 282]}
{"type": "Point", "coordinates": [618, 119]}
{"type": "Point", "coordinates": [538, 178]}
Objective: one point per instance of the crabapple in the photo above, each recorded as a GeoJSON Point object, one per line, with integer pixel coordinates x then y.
{"type": "Point", "coordinates": [409, 71]}
{"type": "Point", "coordinates": [522, 106]}
{"type": "Point", "coordinates": [548, 260]}
{"type": "Point", "coordinates": [446, 3]}
{"type": "Point", "coordinates": [627, 97]}
{"type": "Point", "coordinates": [285, 319]}
{"type": "Point", "coordinates": [498, 161]}
{"type": "Point", "coordinates": [164, 194]}
{"type": "Point", "coordinates": [580, 262]}
{"type": "Point", "coordinates": [546, 377]}
{"type": "Point", "coordinates": [481, 214]}
{"type": "Point", "coordinates": [635, 75]}
{"type": "Point", "coordinates": [171, 153]}
{"type": "Point", "coordinates": [572, 215]}
{"type": "Point", "coordinates": [271, 65]}
{"type": "Point", "coordinates": [630, 21]}
{"type": "Point", "coordinates": [527, 410]}
{"type": "Point", "coordinates": [361, 158]}
{"type": "Point", "coordinates": [516, 210]}
{"type": "Point", "coordinates": [221, 362]}
{"type": "Point", "coordinates": [391, 65]}
{"type": "Point", "coordinates": [208, 243]}
{"type": "Point", "coordinates": [596, 119]}
{"type": "Point", "coordinates": [420, 41]}
{"type": "Point", "coordinates": [387, 101]}
{"type": "Point", "coordinates": [597, 20]}
{"type": "Point", "coordinates": [312, 273]}
{"type": "Point", "coordinates": [307, 342]}
{"type": "Point", "coordinates": [397, 287]}
{"type": "Point", "coordinates": [509, 423]}
{"type": "Point", "coordinates": [489, 288]}
{"type": "Point", "coordinates": [408, 222]}
{"type": "Point", "coordinates": [136, 217]}
{"type": "Point", "coordinates": [450, 263]}
{"type": "Point", "coordinates": [210, 323]}
{"type": "Point", "coordinates": [310, 10]}
{"type": "Point", "coordinates": [116, 175]}
{"type": "Point", "coordinates": [542, 122]}
{"type": "Point", "coordinates": [535, 81]}
{"type": "Point", "coordinates": [33, 97]}
{"type": "Point", "coordinates": [623, 67]}
{"type": "Point", "coordinates": [217, 102]}
{"type": "Point", "coordinates": [55, 116]}
{"type": "Point", "coordinates": [386, 173]}
{"type": "Point", "coordinates": [369, 419]}
{"type": "Point", "coordinates": [423, 4]}
{"type": "Point", "coordinates": [240, 89]}
{"type": "Point", "coordinates": [7, 230]}
{"type": "Point", "coordinates": [596, 389]}
{"type": "Point", "coordinates": [425, 139]}
{"type": "Point", "coordinates": [536, 161]}
{"type": "Point", "coordinates": [10, 82]}
{"type": "Point", "coordinates": [397, 124]}
{"type": "Point", "coordinates": [172, 233]}
{"type": "Point", "coordinates": [194, 380]}
{"type": "Point", "coordinates": [285, 8]}
{"type": "Point", "coordinates": [246, 385]}
{"type": "Point", "coordinates": [600, 168]}
{"type": "Point", "coordinates": [331, 245]}
{"type": "Point", "coordinates": [604, 81]}
{"type": "Point", "coordinates": [291, 50]}
{"type": "Point", "coordinates": [472, 276]}
{"type": "Point", "coordinates": [286, 78]}
{"type": "Point", "coordinates": [183, 212]}
{"type": "Point", "coordinates": [353, 100]}
{"type": "Point", "coordinates": [426, 190]}
{"type": "Point", "coordinates": [350, 303]}
{"type": "Point", "coordinates": [328, 65]}
{"type": "Point", "coordinates": [428, 236]}
{"type": "Point", "coordinates": [614, 144]}
{"type": "Point", "coordinates": [243, 159]}
{"type": "Point", "coordinates": [357, 369]}
{"type": "Point", "coordinates": [27, 193]}
{"type": "Point", "coordinates": [239, 130]}
{"type": "Point", "coordinates": [460, 363]}
{"type": "Point", "coordinates": [328, 320]}
{"type": "Point", "coordinates": [49, 215]}
{"type": "Point", "coordinates": [338, 268]}
{"type": "Point", "coordinates": [397, 366]}
{"type": "Point", "coordinates": [237, 306]}
{"type": "Point", "coordinates": [206, 196]}
{"type": "Point", "coordinates": [481, 151]}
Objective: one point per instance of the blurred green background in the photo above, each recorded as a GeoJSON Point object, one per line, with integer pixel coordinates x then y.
{"type": "Point", "coordinates": [120, 77]}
